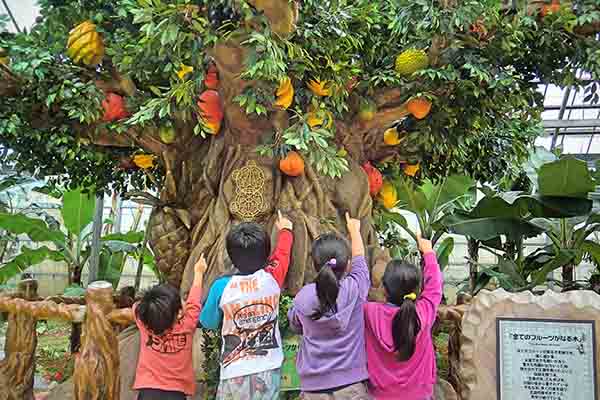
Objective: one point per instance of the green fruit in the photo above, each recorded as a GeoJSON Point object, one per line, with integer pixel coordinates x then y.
{"type": "Point", "coordinates": [367, 110]}
{"type": "Point", "coordinates": [167, 134]}
{"type": "Point", "coordinates": [411, 61]}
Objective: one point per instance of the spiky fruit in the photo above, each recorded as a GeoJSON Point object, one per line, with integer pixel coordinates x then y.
{"type": "Point", "coordinates": [410, 61]}
{"type": "Point", "coordinates": [85, 44]}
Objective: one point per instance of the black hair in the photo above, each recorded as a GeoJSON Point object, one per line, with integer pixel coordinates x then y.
{"type": "Point", "coordinates": [401, 279]}
{"type": "Point", "coordinates": [248, 246]}
{"type": "Point", "coordinates": [159, 307]}
{"type": "Point", "coordinates": [327, 247]}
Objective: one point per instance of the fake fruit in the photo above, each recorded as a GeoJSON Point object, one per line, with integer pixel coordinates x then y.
{"type": "Point", "coordinates": [410, 61]}
{"type": "Point", "coordinates": [167, 134]}
{"type": "Point", "coordinates": [114, 108]}
{"type": "Point", "coordinates": [391, 137]}
{"type": "Point", "coordinates": [367, 110]}
{"type": "Point", "coordinates": [319, 88]}
{"type": "Point", "coordinates": [411, 169]}
{"type": "Point", "coordinates": [85, 44]}
{"type": "Point", "coordinates": [184, 70]}
{"type": "Point", "coordinates": [211, 80]}
{"type": "Point", "coordinates": [144, 161]}
{"type": "Point", "coordinates": [322, 118]}
{"type": "Point", "coordinates": [285, 94]}
{"type": "Point", "coordinates": [552, 8]}
{"type": "Point", "coordinates": [388, 195]}
{"type": "Point", "coordinates": [3, 56]}
{"type": "Point", "coordinates": [419, 107]}
{"type": "Point", "coordinates": [211, 110]}
{"type": "Point", "coordinates": [374, 177]}
{"type": "Point", "coordinates": [292, 164]}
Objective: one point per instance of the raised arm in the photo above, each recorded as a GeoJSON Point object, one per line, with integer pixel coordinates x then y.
{"type": "Point", "coordinates": [279, 262]}
{"type": "Point", "coordinates": [360, 271]}
{"type": "Point", "coordinates": [192, 306]}
{"type": "Point", "coordinates": [356, 241]}
{"type": "Point", "coordinates": [431, 296]}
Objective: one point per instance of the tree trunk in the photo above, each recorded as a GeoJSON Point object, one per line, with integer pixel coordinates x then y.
{"type": "Point", "coordinates": [568, 276]}
{"type": "Point", "coordinates": [473, 254]}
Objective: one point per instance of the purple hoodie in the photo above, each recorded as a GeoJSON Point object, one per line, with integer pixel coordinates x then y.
{"type": "Point", "coordinates": [332, 352]}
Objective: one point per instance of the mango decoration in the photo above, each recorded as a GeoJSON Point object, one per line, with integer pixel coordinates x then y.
{"type": "Point", "coordinates": [375, 178]}
{"type": "Point", "coordinates": [367, 110]}
{"type": "Point", "coordinates": [114, 108]}
{"type": "Point", "coordinates": [410, 61]}
{"type": "Point", "coordinates": [211, 110]}
{"type": "Point", "coordinates": [411, 169]}
{"type": "Point", "coordinates": [388, 195]}
{"type": "Point", "coordinates": [419, 107]}
{"type": "Point", "coordinates": [285, 94]}
{"type": "Point", "coordinates": [85, 44]}
{"type": "Point", "coordinates": [211, 80]}
{"type": "Point", "coordinates": [167, 134]}
{"type": "Point", "coordinates": [319, 88]}
{"type": "Point", "coordinates": [184, 70]}
{"type": "Point", "coordinates": [391, 137]}
{"type": "Point", "coordinates": [144, 161]}
{"type": "Point", "coordinates": [292, 164]}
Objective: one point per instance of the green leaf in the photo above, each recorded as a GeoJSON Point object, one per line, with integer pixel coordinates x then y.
{"type": "Point", "coordinates": [450, 190]}
{"type": "Point", "coordinates": [110, 266]}
{"type": "Point", "coordinates": [564, 257]}
{"type": "Point", "coordinates": [78, 210]}
{"type": "Point", "coordinates": [27, 258]}
{"type": "Point", "coordinates": [36, 229]}
{"type": "Point", "coordinates": [567, 177]}
{"type": "Point", "coordinates": [443, 251]}
{"type": "Point", "coordinates": [129, 237]}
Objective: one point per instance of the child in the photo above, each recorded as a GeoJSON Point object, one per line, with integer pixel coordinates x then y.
{"type": "Point", "coordinates": [164, 369]}
{"type": "Point", "coordinates": [400, 354]}
{"type": "Point", "coordinates": [247, 306]}
{"type": "Point", "coordinates": [331, 362]}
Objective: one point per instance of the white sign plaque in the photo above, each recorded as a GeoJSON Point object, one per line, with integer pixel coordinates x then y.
{"type": "Point", "coordinates": [545, 359]}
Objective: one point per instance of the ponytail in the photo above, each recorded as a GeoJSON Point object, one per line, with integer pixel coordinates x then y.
{"type": "Point", "coordinates": [328, 288]}
{"type": "Point", "coordinates": [405, 328]}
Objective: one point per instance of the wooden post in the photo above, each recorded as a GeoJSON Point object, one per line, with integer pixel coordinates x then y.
{"type": "Point", "coordinates": [18, 367]}
{"type": "Point", "coordinates": [97, 364]}
{"type": "Point", "coordinates": [96, 234]}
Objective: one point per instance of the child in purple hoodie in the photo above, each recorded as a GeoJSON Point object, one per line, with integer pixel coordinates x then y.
{"type": "Point", "coordinates": [400, 354]}
{"type": "Point", "coordinates": [329, 314]}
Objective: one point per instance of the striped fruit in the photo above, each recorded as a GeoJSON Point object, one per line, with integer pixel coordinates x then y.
{"type": "Point", "coordinates": [85, 44]}
{"type": "Point", "coordinates": [411, 61]}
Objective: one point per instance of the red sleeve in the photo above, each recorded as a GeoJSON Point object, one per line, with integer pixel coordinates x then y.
{"type": "Point", "coordinates": [192, 309]}
{"type": "Point", "coordinates": [279, 262]}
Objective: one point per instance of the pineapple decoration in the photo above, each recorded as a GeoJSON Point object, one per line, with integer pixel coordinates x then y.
{"type": "Point", "coordinates": [85, 44]}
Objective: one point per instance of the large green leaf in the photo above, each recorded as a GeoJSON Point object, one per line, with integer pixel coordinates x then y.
{"type": "Point", "coordinates": [450, 190]}
{"type": "Point", "coordinates": [36, 229]}
{"type": "Point", "coordinates": [411, 197]}
{"type": "Point", "coordinates": [110, 266]}
{"type": "Point", "coordinates": [536, 206]}
{"type": "Point", "coordinates": [592, 249]}
{"type": "Point", "coordinates": [567, 177]}
{"type": "Point", "coordinates": [564, 257]}
{"type": "Point", "coordinates": [27, 258]}
{"type": "Point", "coordinates": [78, 210]}
{"type": "Point", "coordinates": [537, 158]}
{"type": "Point", "coordinates": [129, 237]}
{"type": "Point", "coordinates": [443, 252]}
{"type": "Point", "coordinates": [487, 228]}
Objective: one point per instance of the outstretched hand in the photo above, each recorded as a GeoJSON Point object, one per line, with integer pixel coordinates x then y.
{"type": "Point", "coordinates": [425, 245]}
{"type": "Point", "coordinates": [199, 268]}
{"type": "Point", "coordinates": [352, 224]}
{"type": "Point", "coordinates": [283, 223]}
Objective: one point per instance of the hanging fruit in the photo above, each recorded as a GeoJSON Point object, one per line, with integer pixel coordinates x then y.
{"type": "Point", "coordinates": [184, 70]}
{"type": "Point", "coordinates": [144, 161]}
{"type": "Point", "coordinates": [292, 164]}
{"type": "Point", "coordinates": [419, 107]}
{"type": "Point", "coordinates": [322, 118]}
{"type": "Point", "coordinates": [391, 137]}
{"type": "Point", "coordinates": [211, 80]}
{"type": "Point", "coordinates": [367, 110]}
{"type": "Point", "coordinates": [85, 44]}
{"type": "Point", "coordinates": [285, 94]}
{"type": "Point", "coordinates": [411, 169]}
{"type": "Point", "coordinates": [388, 195]}
{"type": "Point", "coordinates": [552, 8]}
{"type": "Point", "coordinates": [114, 108]}
{"type": "Point", "coordinates": [374, 177]}
{"type": "Point", "coordinates": [211, 110]}
{"type": "Point", "coordinates": [3, 56]}
{"type": "Point", "coordinates": [410, 61]}
{"type": "Point", "coordinates": [319, 88]}
{"type": "Point", "coordinates": [167, 134]}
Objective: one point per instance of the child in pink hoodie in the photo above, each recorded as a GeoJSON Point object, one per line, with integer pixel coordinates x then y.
{"type": "Point", "coordinates": [400, 354]}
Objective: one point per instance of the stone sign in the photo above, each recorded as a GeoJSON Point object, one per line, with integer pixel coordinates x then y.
{"type": "Point", "coordinates": [545, 359]}
{"type": "Point", "coordinates": [495, 366]}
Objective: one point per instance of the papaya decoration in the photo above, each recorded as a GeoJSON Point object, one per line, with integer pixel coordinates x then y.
{"type": "Point", "coordinates": [388, 195]}
{"type": "Point", "coordinates": [85, 44]}
{"type": "Point", "coordinates": [144, 161]}
{"type": "Point", "coordinates": [391, 137]}
{"type": "Point", "coordinates": [367, 110]}
{"type": "Point", "coordinates": [292, 164]}
{"type": "Point", "coordinates": [285, 94]}
{"type": "Point", "coordinates": [419, 107]}
{"type": "Point", "coordinates": [319, 88]}
{"type": "Point", "coordinates": [375, 178]}
{"type": "Point", "coordinates": [410, 61]}
{"type": "Point", "coordinates": [211, 110]}
{"type": "Point", "coordinates": [552, 8]}
{"type": "Point", "coordinates": [411, 169]}
{"type": "Point", "coordinates": [114, 108]}
{"type": "Point", "coordinates": [167, 134]}
{"type": "Point", "coordinates": [211, 80]}
{"type": "Point", "coordinates": [184, 70]}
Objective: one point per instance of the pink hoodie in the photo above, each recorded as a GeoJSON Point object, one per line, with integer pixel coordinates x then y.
{"type": "Point", "coordinates": [414, 379]}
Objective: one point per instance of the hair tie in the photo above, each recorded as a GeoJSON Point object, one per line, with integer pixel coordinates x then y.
{"type": "Point", "coordinates": [331, 263]}
{"type": "Point", "coordinates": [410, 296]}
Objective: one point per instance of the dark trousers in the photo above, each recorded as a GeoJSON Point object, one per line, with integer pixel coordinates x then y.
{"type": "Point", "coordinates": [156, 394]}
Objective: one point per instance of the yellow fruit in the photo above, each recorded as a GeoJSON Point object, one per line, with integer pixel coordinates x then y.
{"type": "Point", "coordinates": [367, 110]}
{"type": "Point", "coordinates": [318, 118]}
{"type": "Point", "coordinates": [411, 61]}
{"type": "Point", "coordinates": [388, 195]}
{"type": "Point", "coordinates": [319, 88]}
{"type": "Point", "coordinates": [144, 161]}
{"type": "Point", "coordinates": [3, 57]}
{"type": "Point", "coordinates": [391, 137]}
{"type": "Point", "coordinates": [85, 44]}
{"type": "Point", "coordinates": [285, 94]}
{"type": "Point", "coordinates": [411, 169]}
{"type": "Point", "coordinates": [342, 152]}
{"type": "Point", "coordinates": [184, 70]}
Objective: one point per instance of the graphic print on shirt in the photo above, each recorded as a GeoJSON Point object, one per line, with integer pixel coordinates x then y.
{"type": "Point", "coordinates": [167, 344]}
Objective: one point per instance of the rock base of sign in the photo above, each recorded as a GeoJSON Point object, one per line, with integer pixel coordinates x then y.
{"type": "Point", "coordinates": [477, 372]}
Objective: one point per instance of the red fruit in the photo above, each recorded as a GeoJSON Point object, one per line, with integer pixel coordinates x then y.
{"type": "Point", "coordinates": [211, 81]}
{"type": "Point", "coordinates": [211, 110]}
{"type": "Point", "coordinates": [58, 376]}
{"type": "Point", "coordinates": [375, 178]}
{"type": "Point", "coordinates": [114, 108]}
